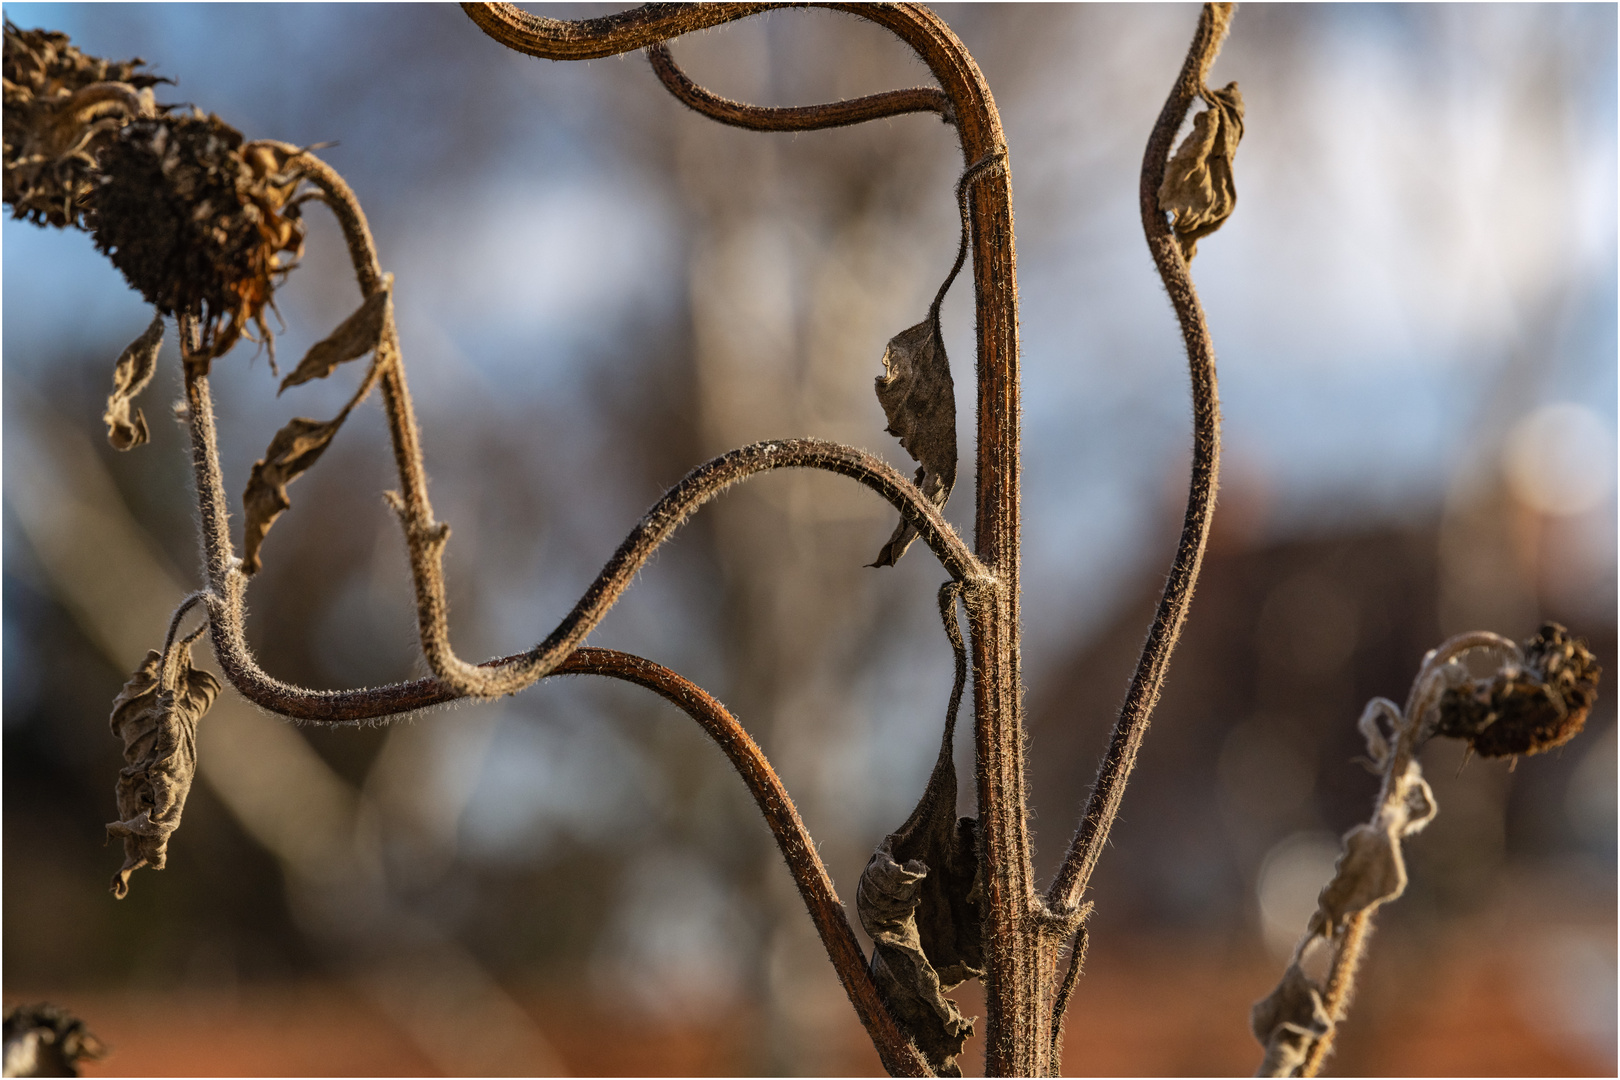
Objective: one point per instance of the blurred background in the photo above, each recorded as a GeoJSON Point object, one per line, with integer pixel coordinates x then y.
{"type": "Point", "coordinates": [1415, 311]}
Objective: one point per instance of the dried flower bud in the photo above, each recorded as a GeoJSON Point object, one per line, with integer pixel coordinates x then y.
{"type": "Point", "coordinates": [62, 109]}
{"type": "Point", "coordinates": [1525, 710]}
{"type": "Point", "coordinates": [195, 225]}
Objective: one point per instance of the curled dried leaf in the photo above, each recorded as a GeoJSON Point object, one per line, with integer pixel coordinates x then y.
{"type": "Point", "coordinates": [887, 900]}
{"type": "Point", "coordinates": [1529, 709]}
{"type": "Point", "coordinates": [920, 897]}
{"type": "Point", "coordinates": [1288, 1021]}
{"type": "Point", "coordinates": [1198, 187]}
{"type": "Point", "coordinates": [156, 715]}
{"type": "Point", "coordinates": [135, 368]}
{"type": "Point", "coordinates": [293, 451]}
{"type": "Point", "coordinates": [359, 334]}
{"type": "Point", "coordinates": [919, 400]}
{"type": "Point", "coordinates": [1369, 872]}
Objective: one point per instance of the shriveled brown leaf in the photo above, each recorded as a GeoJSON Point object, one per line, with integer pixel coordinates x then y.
{"type": "Point", "coordinates": [135, 368]}
{"type": "Point", "coordinates": [920, 899]}
{"type": "Point", "coordinates": [1369, 872]}
{"type": "Point", "coordinates": [1288, 1021]}
{"type": "Point", "coordinates": [355, 336]}
{"type": "Point", "coordinates": [291, 453]}
{"type": "Point", "coordinates": [919, 399]}
{"type": "Point", "coordinates": [159, 727]}
{"type": "Point", "coordinates": [887, 899]}
{"type": "Point", "coordinates": [1198, 185]}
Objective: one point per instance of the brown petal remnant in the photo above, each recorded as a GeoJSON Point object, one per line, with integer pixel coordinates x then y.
{"type": "Point", "coordinates": [1525, 710]}
{"type": "Point", "coordinates": [291, 453]}
{"type": "Point", "coordinates": [194, 220]}
{"type": "Point", "coordinates": [156, 715]}
{"type": "Point", "coordinates": [1198, 186]}
{"type": "Point", "coordinates": [919, 400]}
{"type": "Point", "coordinates": [1288, 1021]}
{"type": "Point", "coordinates": [47, 1040]}
{"type": "Point", "coordinates": [355, 336]}
{"type": "Point", "coordinates": [136, 366]}
{"type": "Point", "coordinates": [62, 109]}
{"type": "Point", "coordinates": [920, 899]}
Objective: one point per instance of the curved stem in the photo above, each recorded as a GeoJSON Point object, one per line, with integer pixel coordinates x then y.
{"type": "Point", "coordinates": [1132, 724]}
{"type": "Point", "coordinates": [512, 673]}
{"type": "Point", "coordinates": [796, 118]}
{"type": "Point", "coordinates": [899, 1056]}
{"type": "Point", "coordinates": [592, 39]}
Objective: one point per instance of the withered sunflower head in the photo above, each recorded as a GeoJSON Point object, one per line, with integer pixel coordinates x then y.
{"type": "Point", "coordinates": [198, 222]}
{"type": "Point", "coordinates": [62, 108]}
{"type": "Point", "coordinates": [1525, 710]}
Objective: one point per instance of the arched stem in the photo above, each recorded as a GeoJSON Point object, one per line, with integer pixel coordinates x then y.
{"type": "Point", "coordinates": [899, 1056]}
{"type": "Point", "coordinates": [796, 118]}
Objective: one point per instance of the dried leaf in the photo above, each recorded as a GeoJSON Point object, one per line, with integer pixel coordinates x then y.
{"type": "Point", "coordinates": [355, 336]}
{"type": "Point", "coordinates": [135, 368]}
{"type": "Point", "coordinates": [920, 898]}
{"type": "Point", "coordinates": [1369, 872]}
{"type": "Point", "coordinates": [887, 899]}
{"type": "Point", "coordinates": [919, 400]}
{"type": "Point", "coordinates": [1288, 1021]}
{"type": "Point", "coordinates": [157, 719]}
{"type": "Point", "coordinates": [1198, 186]}
{"type": "Point", "coordinates": [291, 453]}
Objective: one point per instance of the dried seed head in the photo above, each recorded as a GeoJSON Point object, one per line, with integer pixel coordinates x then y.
{"type": "Point", "coordinates": [62, 109]}
{"type": "Point", "coordinates": [195, 221]}
{"type": "Point", "coordinates": [1525, 710]}
{"type": "Point", "coordinates": [47, 1040]}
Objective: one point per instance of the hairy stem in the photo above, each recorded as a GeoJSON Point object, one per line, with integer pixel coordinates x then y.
{"type": "Point", "coordinates": [797, 118]}
{"type": "Point", "coordinates": [1017, 1030]}
{"type": "Point", "coordinates": [228, 583]}
{"type": "Point", "coordinates": [894, 1047]}
{"type": "Point", "coordinates": [1132, 724]}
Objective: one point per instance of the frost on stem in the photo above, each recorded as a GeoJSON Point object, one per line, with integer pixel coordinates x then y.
{"type": "Point", "coordinates": [1537, 698]}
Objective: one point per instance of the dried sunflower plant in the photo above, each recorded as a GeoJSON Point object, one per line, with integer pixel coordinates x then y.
{"type": "Point", "coordinates": [205, 225]}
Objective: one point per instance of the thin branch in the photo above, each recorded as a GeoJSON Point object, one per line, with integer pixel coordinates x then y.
{"type": "Point", "coordinates": [1353, 937]}
{"type": "Point", "coordinates": [1129, 729]}
{"type": "Point", "coordinates": [797, 118]}
{"type": "Point", "coordinates": [592, 39]}
{"type": "Point", "coordinates": [1060, 1002]}
{"type": "Point", "coordinates": [899, 1056]}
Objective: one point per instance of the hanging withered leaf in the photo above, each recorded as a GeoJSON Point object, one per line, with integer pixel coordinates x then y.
{"type": "Point", "coordinates": [919, 400]}
{"type": "Point", "coordinates": [920, 898]}
{"type": "Point", "coordinates": [156, 715]}
{"type": "Point", "coordinates": [916, 390]}
{"type": "Point", "coordinates": [1198, 185]}
{"type": "Point", "coordinates": [294, 450]}
{"type": "Point", "coordinates": [1288, 1021]}
{"type": "Point", "coordinates": [135, 368]}
{"type": "Point", "coordinates": [359, 334]}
